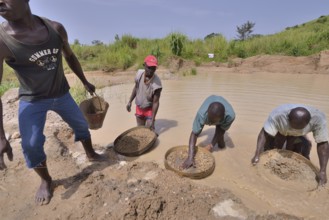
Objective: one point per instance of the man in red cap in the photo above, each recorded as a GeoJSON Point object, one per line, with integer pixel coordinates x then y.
{"type": "Point", "coordinates": [147, 92]}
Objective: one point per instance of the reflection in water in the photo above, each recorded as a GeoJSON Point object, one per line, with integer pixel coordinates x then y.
{"type": "Point", "coordinates": [253, 96]}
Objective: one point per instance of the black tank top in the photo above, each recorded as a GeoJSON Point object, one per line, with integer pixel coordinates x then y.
{"type": "Point", "coordinates": [38, 67]}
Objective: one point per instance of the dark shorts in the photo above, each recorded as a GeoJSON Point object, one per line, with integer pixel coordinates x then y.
{"type": "Point", "coordinates": [300, 145]}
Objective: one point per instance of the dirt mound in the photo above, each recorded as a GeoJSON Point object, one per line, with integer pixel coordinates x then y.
{"type": "Point", "coordinates": [179, 65]}
{"type": "Point", "coordinates": [318, 64]}
{"type": "Point", "coordinates": [144, 191]}
{"type": "Point", "coordinates": [289, 167]}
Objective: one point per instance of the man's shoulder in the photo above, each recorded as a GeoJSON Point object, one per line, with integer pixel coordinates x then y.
{"type": "Point", "coordinates": [54, 24]}
{"type": "Point", "coordinates": [139, 73]}
{"type": "Point", "coordinates": [57, 26]}
{"type": "Point", "coordinates": [157, 81]}
{"type": "Point", "coordinates": [157, 77]}
{"type": "Point", "coordinates": [317, 116]}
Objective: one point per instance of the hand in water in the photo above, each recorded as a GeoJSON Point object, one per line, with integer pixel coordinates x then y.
{"type": "Point", "coordinates": [322, 178]}
{"type": "Point", "coordinates": [188, 163]}
{"type": "Point", "coordinates": [255, 160]}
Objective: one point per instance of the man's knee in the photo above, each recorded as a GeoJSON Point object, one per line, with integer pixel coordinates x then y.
{"type": "Point", "coordinates": [33, 154]}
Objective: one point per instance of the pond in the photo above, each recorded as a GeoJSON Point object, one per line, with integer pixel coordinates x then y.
{"type": "Point", "coordinates": [253, 96]}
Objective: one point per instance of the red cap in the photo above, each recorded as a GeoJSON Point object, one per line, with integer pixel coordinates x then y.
{"type": "Point", "coordinates": [151, 60]}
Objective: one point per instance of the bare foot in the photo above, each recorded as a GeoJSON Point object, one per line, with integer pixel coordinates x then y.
{"type": "Point", "coordinates": [221, 144]}
{"type": "Point", "coordinates": [97, 158]}
{"type": "Point", "coordinates": [43, 194]}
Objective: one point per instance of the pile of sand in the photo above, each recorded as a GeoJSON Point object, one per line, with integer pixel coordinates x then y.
{"type": "Point", "coordinates": [289, 167]}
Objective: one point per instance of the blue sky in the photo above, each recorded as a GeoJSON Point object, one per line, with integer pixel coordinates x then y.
{"type": "Point", "coordinates": [88, 20]}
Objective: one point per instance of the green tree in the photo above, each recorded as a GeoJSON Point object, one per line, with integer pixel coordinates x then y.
{"type": "Point", "coordinates": [245, 30]}
{"type": "Point", "coordinates": [212, 35]}
{"type": "Point", "coordinates": [177, 43]}
{"type": "Point", "coordinates": [117, 38]}
{"type": "Point", "coordinates": [76, 42]}
{"type": "Point", "coordinates": [97, 42]}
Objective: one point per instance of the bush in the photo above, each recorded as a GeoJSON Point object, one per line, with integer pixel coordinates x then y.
{"type": "Point", "coordinates": [177, 43]}
{"type": "Point", "coordinates": [7, 85]}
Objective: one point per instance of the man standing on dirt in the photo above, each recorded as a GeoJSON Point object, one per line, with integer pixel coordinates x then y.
{"type": "Point", "coordinates": [215, 110]}
{"type": "Point", "coordinates": [33, 47]}
{"type": "Point", "coordinates": [289, 123]}
{"type": "Point", "coordinates": [147, 91]}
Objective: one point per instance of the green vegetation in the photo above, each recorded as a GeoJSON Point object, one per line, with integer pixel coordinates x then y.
{"type": "Point", "coordinates": [190, 72]}
{"type": "Point", "coordinates": [79, 93]}
{"type": "Point", "coordinates": [8, 80]}
{"type": "Point", "coordinates": [7, 85]}
{"type": "Point", "coordinates": [245, 30]}
{"type": "Point", "coordinates": [129, 52]}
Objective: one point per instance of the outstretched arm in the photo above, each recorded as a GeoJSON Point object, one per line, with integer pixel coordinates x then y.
{"type": "Point", "coordinates": [263, 138]}
{"type": "Point", "coordinates": [323, 154]}
{"type": "Point", "coordinates": [132, 97]}
{"type": "Point", "coordinates": [191, 152]}
{"type": "Point", "coordinates": [71, 59]}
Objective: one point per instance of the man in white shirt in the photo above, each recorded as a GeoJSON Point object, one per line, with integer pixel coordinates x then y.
{"type": "Point", "coordinates": [288, 124]}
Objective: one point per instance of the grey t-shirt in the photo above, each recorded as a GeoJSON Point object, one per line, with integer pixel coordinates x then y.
{"type": "Point", "coordinates": [145, 92]}
{"type": "Point", "coordinates": [278, 122]}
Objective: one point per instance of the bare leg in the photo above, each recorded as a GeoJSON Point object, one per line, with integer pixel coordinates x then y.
{"type": "Point", "coordinates": [148, 122]}
{"type": "Point", "coordinates": [90, 152]}
{"type": "Point", "coordinates": [306, 148]}
{"type": "Point", "coordinates": [219, 137]}
{"type": "Point", "coordinates": [44, 193]}
{"type": "Point", "coordinates": [302, 146]}
{"type": "Point", "coordinates": [140, 121]}
{"type": "Point", "coordinates": [292, 144]}
{"type": "Point", "coordinates": [221, 142]}
{"type": "Point", "coordinates": [279, 141]}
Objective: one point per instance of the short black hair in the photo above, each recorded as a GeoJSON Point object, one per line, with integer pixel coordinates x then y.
{"type": "Point", "coordinates": [216, 109]}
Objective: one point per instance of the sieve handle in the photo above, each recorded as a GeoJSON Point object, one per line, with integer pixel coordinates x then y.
{"type": "Point", "coordinates": [100, 104]}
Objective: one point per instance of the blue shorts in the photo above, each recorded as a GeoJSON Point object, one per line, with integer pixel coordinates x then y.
{"type": "Point", "coordinates": [32, 118]}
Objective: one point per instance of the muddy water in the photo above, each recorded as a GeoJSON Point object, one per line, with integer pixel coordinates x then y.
{"type": "Point", "coordinates": [252, 96]}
